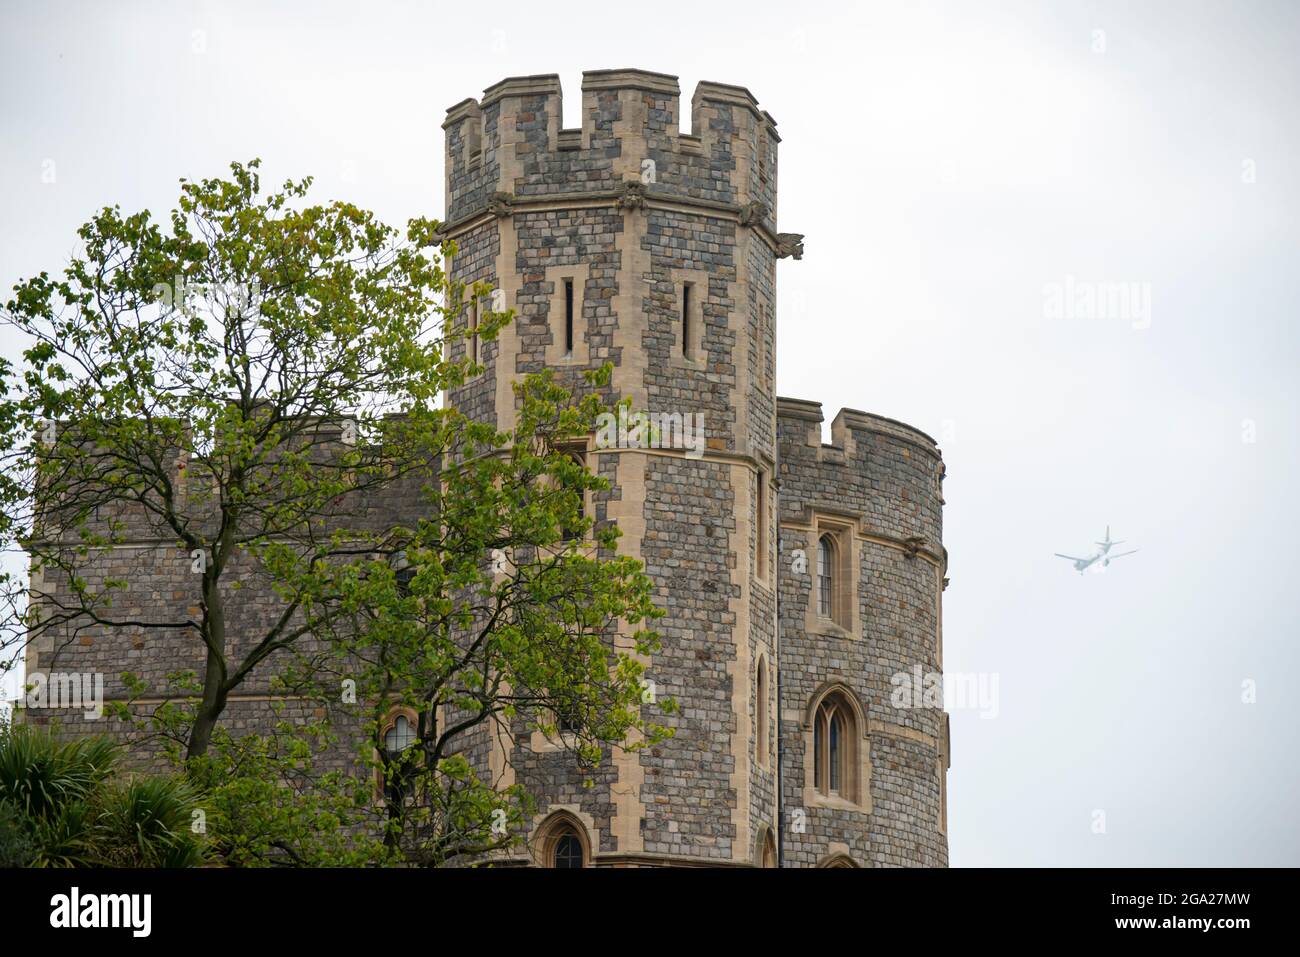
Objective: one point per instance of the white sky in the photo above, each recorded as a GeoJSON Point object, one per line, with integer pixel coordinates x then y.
{"type": "Point", "coordinates": [946, 161]}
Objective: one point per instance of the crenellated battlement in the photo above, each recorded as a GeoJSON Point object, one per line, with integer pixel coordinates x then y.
{"type": "Point", "coordinates": [890, 472]}
{"type": "Point", "coordinates": [508, 150]}
{"type": "Point", "coordinates": [805, 411]}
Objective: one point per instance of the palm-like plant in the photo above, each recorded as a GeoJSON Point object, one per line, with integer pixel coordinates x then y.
{"type": "Point", "coordinates": [60, 806]}
{"type": "Point", "coordinates": [147, 823]}
{"type": "Point", "coordinates": [49, 784]}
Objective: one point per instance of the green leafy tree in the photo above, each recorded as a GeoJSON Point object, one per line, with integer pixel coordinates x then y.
{"type": "Point", "coordinates": [248, 384]}
{"type": "Point", "coordinates": [270, 803]}
{"type": "Point", "coordinates": [223, 384]}
{"type": "Point", "coordinates": [506, 612]}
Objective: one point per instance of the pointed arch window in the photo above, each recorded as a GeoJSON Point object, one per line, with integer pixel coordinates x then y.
{"type": "Point", "coordinates": [765, 848]}
{"type": "Point", "coordinates": [568, 850]}
{"type": "Point", "coordinates": [562, 843]}
{"type": "Point", "coordinates": [399, 734]}
{"type": "Point", "coordinates": [832, 604]}
{"type": "Point", "coordinates": [573, 532]}
{"type": "Point", "coordinates": [835, 743]}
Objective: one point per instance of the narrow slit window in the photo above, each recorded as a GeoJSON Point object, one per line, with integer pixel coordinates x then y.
{"type": "Point", "coordinates": [686, 319]}
{"type": "Point", "coordinates": [568, 317]}
{"type": "Point", "coordinates": [474, 143]}
{"type": "Point", "coordinates": [819, 745]}
{"type": "Point", "coordinates": [762, 544]}
{"type": "Point", "coordinates": [473, 331]}
{"type": "Point", "coordinates": [825, 580]}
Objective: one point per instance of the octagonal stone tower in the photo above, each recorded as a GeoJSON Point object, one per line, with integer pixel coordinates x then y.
{"type": "Point", "coordinates": [626, 241]}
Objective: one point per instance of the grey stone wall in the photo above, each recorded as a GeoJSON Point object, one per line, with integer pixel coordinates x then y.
{"type": "Point", "coordinates": [690, 539]}
{"type": "Point", "coordinates": [886, 478]}
{"type": "Point", "coordinates": [475, 262]}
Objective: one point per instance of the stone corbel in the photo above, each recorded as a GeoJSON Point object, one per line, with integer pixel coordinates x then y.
{"type": "Point", "coordinates": [500, 205]}
{"type": "Point", "coordinates": [631, 195]}
{"type": "Point", "coordinates": [751, 214]}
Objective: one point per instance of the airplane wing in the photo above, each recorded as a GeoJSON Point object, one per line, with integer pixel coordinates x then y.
{"type": "Point", "coordinates": [1070, 557]}
{"type": "Point", "coordinates": [1122, 554]}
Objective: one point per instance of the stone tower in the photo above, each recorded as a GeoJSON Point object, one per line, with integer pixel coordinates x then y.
{"type": "Point", "coordinates": [626, 241]}
{"type": "Point", "coordinates": [801, 581]}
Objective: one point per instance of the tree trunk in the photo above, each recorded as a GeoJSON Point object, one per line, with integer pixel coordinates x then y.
{"type": "Point", "coordinates": [210, 709]}
{"type": "Point", "coordinates": [214, 674]}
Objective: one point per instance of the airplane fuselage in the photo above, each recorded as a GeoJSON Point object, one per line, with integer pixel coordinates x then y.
{"type": "Point", "coordinates": [1102, 554]}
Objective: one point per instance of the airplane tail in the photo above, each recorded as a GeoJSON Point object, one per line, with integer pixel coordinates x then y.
{"type": "Point", "coordinates": [1108, 542]}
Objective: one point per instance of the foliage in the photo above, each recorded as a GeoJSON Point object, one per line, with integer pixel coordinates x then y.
{"type": "Point", "coordinates": [67, 804]}
{"type": "Point", "coordinates": [271, 804]}
{"type": "Point", "coordinates": [248, 384]}
{"type": "Point", "coordinates": [225, 385]}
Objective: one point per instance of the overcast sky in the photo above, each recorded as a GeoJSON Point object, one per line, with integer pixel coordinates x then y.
{"type": "Point", "coordinates": [956, 168]}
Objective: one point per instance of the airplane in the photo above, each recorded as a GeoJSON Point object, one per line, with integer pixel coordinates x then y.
{"type": "Point", "coordinates": [1104, 555]}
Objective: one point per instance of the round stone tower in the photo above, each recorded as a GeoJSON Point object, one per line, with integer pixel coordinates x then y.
{"type": "Point", "coordinates": [861, 642]}
{"type": "Point", "coordinates": [626, 241]}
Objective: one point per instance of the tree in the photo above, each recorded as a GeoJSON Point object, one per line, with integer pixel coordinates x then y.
{"type": "Point", "coordinates": [502, 616]}
{"type": "Point", "coordinates": [248, 386]}
{"type": "Point", "coordinates": [224, 386]}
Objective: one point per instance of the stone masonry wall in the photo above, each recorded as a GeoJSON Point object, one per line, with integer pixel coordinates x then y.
{"type": "Point", "coordinates": [884, 478]}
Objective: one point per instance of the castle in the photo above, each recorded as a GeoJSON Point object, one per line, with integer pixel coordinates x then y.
{"type": "Point", "coordinates": [798, 577]}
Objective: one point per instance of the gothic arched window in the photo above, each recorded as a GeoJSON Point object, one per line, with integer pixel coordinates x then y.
{"type": "Point", "coordinates": [399, 735]}
{"type": "Point", "coordinates": [561, 842]}
{"type": "Point", "coordinates": [835, 743]}
{"type": "Point", "coordinates": [574, 531]}
{"type": "Point", "coordinates": [568, 850]}
{"type": "Point", "coordinates": [767, 849]}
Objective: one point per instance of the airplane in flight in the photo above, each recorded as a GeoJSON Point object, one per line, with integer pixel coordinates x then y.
{"type": "Point", "coordinates": [1104, 555]}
